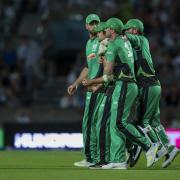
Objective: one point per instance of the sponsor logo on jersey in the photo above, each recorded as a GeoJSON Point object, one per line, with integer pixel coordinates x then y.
{"type": "Point", "coordinates": [91, 56]}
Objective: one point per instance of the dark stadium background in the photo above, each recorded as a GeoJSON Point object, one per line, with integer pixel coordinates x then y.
{"type": "Point", "coordinates": [42, 45]}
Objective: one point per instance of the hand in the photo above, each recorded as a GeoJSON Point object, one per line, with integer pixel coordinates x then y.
{"type": "Point", "coordinates": [95, 88]}
{"type": "Point", "coordinates": [72, 89]}
{"type": "Point", "coordinates": [86, 82]}
{"type": "Point", "coordinates": [91, 88]}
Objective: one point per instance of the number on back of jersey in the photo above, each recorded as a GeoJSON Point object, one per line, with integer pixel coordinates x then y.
{"type": "Point", "coordinates": [128, 47]}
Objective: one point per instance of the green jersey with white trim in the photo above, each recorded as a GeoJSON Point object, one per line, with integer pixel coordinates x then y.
{"type": "Point", "coordinates": [95, 69]}
{"type": "Point", "coordinates": [145, 72]}
{"type": "Point", "coordinates": [120, 52]}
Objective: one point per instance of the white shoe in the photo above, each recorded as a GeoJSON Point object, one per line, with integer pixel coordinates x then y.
{"type": "Point", "coordinates": [115, 166]}
{"type": "Point", "coordinates": [151, 154]}
{"type": "Point", "coordinates": [83, 163]}
{"type": "Point", "coordinates": [171, 157]}
{"type": "Point", "coordinates": [162, 152]}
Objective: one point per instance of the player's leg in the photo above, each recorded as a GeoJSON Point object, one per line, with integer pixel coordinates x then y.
{"type": "Point", "coordinates": [134, 150]}
{"type": "Point", "coordinates": [88, 160]}
{"type": "Point", "coordinates": [94, 121]}
{"type": "Point", "coordinates": [117, 139]}
{"type": "Point", "coordinates": [102, 129]}
{"type": "Point", "coordinates": [89, 136]}
{"type": "Point", "coordinates": [127, 97]}
{"type": "Point", "coordinates": [170, 151]}
{"type": "Point", "coordinates": [105, 127]}
{"type": "Point", "coordinates": [97, 126]}
{"type": "Point", "coordinates": [155, 95]}
{"type": "Point", "coordinates": [148, 100]}
{"type": "Point", "coordinates": [88, 146]}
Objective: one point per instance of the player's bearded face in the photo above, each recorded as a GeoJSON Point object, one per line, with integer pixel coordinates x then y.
{"type": "Point", "coordinates": [91, 26]}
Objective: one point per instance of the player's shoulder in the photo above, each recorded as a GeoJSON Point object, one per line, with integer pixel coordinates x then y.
{"type": "Point", "coordinates": [144, 38]}
{"type": "Point", "coordinates": [111, 44]}
{"type": "Point", "coordinates": [121, 39]}
{"type": "Point", "coordinates": [144, 41]}
{"type": "Point", "coordinates": [92, 39]}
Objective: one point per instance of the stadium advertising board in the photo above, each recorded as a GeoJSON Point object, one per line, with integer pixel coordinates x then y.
{"type": "Point", "coordinates": [55, 136]}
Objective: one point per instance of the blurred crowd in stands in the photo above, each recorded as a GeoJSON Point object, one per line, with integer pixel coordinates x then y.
{"type": "Point", "coordinates": [26, 60]}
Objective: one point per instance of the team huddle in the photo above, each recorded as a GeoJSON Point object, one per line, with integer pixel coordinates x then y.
{"type": "Point", "coordinates": [122, 115]}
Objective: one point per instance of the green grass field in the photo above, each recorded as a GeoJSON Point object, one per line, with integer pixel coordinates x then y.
{"type": "Point", "coordinates": [58, 165]}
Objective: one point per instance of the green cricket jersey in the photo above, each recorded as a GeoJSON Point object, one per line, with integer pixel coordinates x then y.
{"type": "Point", "coordinates": [145, 72]}
{"type": "Point", "coordinates": [120, 52]}
{"type": "Point", "coordinates": [93, 101]}
{"type": "Point", "coordinates": [93, 64]}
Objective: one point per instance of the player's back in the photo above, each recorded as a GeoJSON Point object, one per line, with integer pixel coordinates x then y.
{"type": "Point", "coordinates": [124, 63]}
{"type": "Point", "coordinates": [145, 72]}
{"type": "Point", "coordinates": [144, 52]}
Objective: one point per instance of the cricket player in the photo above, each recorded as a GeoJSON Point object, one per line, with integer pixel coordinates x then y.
{"type": "Point", "coordinates": [102, 125]}
{"type": "Point", "coordinates": [94, 69]}
{"type": "Point", "coordinates": [149, 91]}
{"type": "Point", "coordinates": [119, 62]}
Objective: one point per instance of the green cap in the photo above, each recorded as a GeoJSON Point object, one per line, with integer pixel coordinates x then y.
{"type": "Point", "coordinates": [92, 17]}
{"type": "Point", "coordinates": [134, 23]}
{"type": "Point", "coordinates": [115, 23]}
{"type": "Point", "coordinates": [100, 27]}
